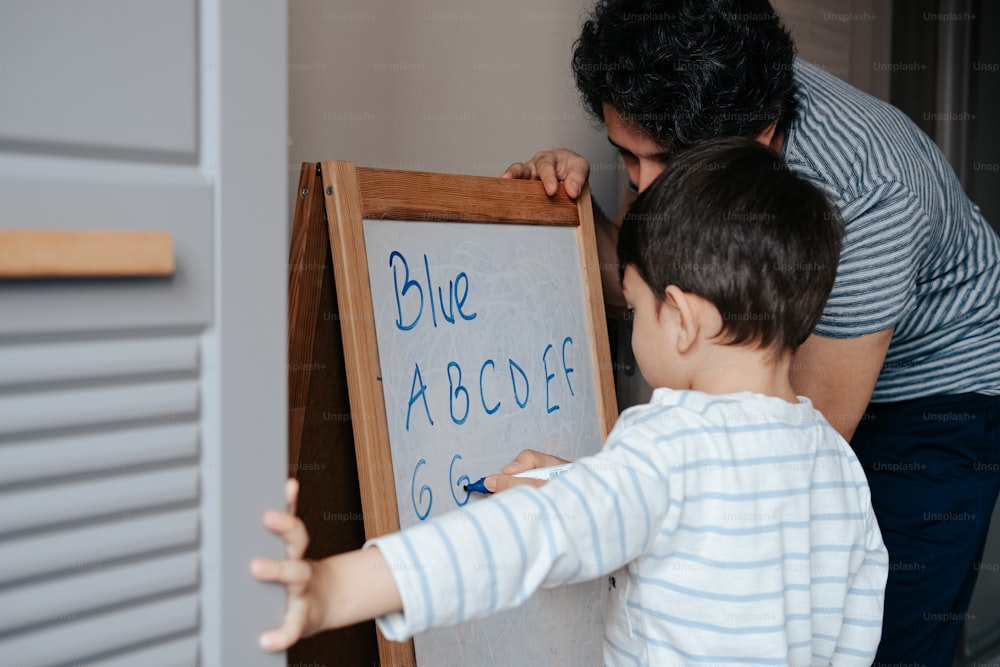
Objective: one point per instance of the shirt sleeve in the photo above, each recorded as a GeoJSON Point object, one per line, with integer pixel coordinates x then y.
{"type": "Point", "coordinates": [495, 553]}
{"type": "Point", "coordinates": [884, 246]}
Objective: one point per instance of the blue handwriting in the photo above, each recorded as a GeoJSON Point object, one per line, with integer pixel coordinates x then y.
{"type": "Point", "coordinates": [412, 292]}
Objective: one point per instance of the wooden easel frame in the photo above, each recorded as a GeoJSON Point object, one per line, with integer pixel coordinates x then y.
{"type": "Point", "coordinates": [353, 194]}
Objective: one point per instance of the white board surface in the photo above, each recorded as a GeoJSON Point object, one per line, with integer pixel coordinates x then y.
{"type": "Point", "coordinates": [484, 347]}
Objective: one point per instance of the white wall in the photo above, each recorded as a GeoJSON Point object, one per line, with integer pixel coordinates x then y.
{"type": "Point", "coordinates": [439, 86]}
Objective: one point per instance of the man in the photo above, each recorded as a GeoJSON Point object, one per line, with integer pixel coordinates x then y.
{"type": "Point", "coordinates": [905, 362]}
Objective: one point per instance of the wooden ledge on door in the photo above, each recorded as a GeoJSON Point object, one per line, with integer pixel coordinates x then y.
{"type": "Point", "coordinates": [84, 254]}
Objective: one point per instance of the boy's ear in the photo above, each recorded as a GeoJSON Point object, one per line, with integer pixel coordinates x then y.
{"type": "Point", "coordinates": [767, 136]}
{"type": "Point", "coordinates": [688, 324]}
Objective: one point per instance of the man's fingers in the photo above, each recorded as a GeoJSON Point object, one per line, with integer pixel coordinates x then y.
{"type": "Point", "coordinates": [546, 171]}
{"type": "Point", "coordinates": [519, 170]}
{"type": "Point", "coordinates": [559, 165]}
{"type": "Point", "coordinates": [573, 170]}
{"type": "Point", "coordinates": [574, 184]}
{"type": "Point", "coordinates": [543, 166]}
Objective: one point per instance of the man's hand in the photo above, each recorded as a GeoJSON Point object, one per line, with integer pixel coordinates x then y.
{"type": "Point", "coordinates": [559, 165]}
{"type": "Point", "coordinates": [573, 170]}
{"type": "Point", "coordinates": [528, 459]}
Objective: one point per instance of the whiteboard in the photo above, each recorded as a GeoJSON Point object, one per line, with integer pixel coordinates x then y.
{"type": "Point", "coordinates": [484, 346]}
{"type": "Point", "coordinates": [472, 321]}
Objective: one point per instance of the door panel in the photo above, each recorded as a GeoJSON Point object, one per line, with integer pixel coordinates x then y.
{"type": "Point", "coordinates": [142, 419]}
{"type": "Point", "coordinates": [138, 56]}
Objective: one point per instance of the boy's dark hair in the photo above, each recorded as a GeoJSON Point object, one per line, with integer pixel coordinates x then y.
{"type": "Point", "coordinates": [729, 221]}
{"type": "Point", "coordinates": [688, 70]}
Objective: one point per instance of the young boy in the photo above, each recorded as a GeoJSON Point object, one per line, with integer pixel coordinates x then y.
{"type": "Point", "coordinates": [742, 519]}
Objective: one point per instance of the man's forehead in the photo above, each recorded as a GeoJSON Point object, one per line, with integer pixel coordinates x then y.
{"type": "Point", "coordinates": [629, 135]}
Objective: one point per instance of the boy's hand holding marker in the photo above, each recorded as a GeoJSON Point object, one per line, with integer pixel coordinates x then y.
{"type": "Point", "coordinates": [519, 471]}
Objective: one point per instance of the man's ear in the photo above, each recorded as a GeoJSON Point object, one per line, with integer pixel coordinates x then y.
{"type": "Point", "coordinates": [688, 324]}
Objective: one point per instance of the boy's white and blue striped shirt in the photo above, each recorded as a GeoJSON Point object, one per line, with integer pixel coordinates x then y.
{"type": "Point", "coordinates": [743, 523]}
{"type": "Point", "coordinates": [918, 255]}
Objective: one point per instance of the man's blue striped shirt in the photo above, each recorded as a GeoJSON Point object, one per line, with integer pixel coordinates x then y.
{"type": "Point", "coordinates": [918, 254]}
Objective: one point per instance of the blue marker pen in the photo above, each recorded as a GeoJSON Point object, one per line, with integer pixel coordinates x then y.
{"type": "Point", "coordinates": [537, 473]}
{"type": "Point", "coordinates": [478, 486]}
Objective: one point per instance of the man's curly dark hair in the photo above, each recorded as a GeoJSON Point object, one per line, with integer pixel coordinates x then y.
{"type": "Point", "coordinates": [688, 70]}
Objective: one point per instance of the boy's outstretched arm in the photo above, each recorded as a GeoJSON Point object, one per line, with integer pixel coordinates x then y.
{"type": "Point", "coordinates": [341, 590]}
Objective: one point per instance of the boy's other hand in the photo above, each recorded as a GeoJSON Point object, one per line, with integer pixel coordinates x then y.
{"type": "Point", "coordinates": [294, 572]}
{"type": "Point", "coordinates": [559, 165]}
{"type": "Point", "coordinates": [528, 459]}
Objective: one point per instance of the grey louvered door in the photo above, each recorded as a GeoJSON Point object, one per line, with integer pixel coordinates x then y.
{"type": "Point", "coordinates": [142, 420]}
{"type": "Point", "coordinates": [101, 475]}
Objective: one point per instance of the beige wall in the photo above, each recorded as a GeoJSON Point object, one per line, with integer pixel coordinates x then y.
{"type": "Point", "coordinates": [439, 86]}
{"type": "Point", "coordinates": [849, 38]}
{"type": "Point", "coordinates": [460, 87]}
